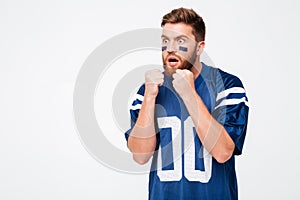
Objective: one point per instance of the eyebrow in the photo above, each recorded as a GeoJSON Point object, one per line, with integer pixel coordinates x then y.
{"type": "Point", "coordinates": [179, 36]}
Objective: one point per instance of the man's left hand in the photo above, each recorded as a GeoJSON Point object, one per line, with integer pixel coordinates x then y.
{"type": "Point", "coordinates": [183, 83]}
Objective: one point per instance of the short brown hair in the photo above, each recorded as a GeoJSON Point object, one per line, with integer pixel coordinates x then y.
{"type": "Point", "coordinates": [187, 16]}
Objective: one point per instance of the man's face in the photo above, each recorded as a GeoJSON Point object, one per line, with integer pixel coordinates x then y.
{"type": "Point", "coordinates": [178, 47]}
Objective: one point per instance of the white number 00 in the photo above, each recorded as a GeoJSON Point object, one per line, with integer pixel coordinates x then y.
{"type": "Point", "coordinates": [189, 155]}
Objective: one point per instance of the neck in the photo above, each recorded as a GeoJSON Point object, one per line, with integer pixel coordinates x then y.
{"type": "Point", "coordinates": [196, 69]}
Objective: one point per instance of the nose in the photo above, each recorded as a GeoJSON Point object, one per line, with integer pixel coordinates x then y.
{"type": "Point", "coordinates": [171, 47]}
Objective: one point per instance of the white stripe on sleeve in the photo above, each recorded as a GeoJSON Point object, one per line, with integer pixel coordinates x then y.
{"type": "Point", "coordinates": [134, 98]}
{"type": "Point", "coordinates": [225, 93]}
{"type": "Point", "coordinates": [226, 102]}
{"type": "Point", "coordinates": [139, 97]}
{"type": "Point", "coordinates": [136, 107]}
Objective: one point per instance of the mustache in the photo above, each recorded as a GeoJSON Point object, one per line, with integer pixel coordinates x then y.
{"type": "Point", "coordinates": [172, 54]}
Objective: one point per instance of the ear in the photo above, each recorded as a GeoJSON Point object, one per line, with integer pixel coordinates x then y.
{"type": "Point", "coordinates": [200, 47]}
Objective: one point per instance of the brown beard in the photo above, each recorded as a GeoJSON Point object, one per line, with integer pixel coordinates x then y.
{"type": "Point", "coordinates": [188, 64]}
{"type": "Point", "coordinates": [185, 64]}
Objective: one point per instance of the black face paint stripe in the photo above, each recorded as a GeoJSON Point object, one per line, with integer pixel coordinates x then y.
{"type": "Point", "coordinates": [164, 48]}
{"type": "Point", "coordinates": [183, 48]}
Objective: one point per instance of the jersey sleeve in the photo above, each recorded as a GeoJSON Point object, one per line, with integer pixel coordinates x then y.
{"type": "Point", "coordinates": [231, 108]}
{"type": "Point", "coordinates": [134, 113]}
{"type": "Point", "coordinates": [135, 109]}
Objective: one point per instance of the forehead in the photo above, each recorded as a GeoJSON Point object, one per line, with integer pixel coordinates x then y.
{"type": "Point", "coordinates": [174, 30]}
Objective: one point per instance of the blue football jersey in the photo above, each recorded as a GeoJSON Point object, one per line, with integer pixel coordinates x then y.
{"type": "Point", "coordinates": [181, 167]}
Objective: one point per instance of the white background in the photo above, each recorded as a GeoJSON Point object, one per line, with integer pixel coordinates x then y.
{"type": "Point", "coordinates": [43, 45]}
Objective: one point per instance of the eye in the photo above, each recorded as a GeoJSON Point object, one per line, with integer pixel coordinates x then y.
{"type": "Point", "coordinates": [180, 41]}
{"type": "Point", "coordinates": [165, 41]}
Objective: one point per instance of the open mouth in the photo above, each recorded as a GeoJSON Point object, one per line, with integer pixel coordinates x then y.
{"type": "Point", "coordinates": [172, 61]}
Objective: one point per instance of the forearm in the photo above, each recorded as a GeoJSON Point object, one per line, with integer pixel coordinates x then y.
{"type": "Point", "coordinates": [142, 140]}
{"type": "Point", "coordinates": [212, 134]}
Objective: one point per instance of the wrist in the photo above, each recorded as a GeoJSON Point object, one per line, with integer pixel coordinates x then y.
{"type": "Point", "coordinates": [151, 92]}
{"type": "Point", "coordinates": [148, 97]}
{"type": "Point", "coordinates": [189, 97]}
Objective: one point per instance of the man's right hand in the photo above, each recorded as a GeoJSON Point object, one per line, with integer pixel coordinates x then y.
{"type": "Point", "coordinates": [153, 79]}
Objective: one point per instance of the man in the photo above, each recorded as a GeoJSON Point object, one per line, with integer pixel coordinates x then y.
{"type": "Point", "coordinates": [191, 118]}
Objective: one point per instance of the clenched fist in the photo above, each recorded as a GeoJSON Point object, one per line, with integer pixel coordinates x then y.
{"type": "Point", "coordinates": [183, 83]}
{"type": "Point", "coordinates": [153, 79]}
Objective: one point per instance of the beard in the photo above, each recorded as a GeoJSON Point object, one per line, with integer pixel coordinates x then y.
{"type": "Point", "coordinates": [184, 63]}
